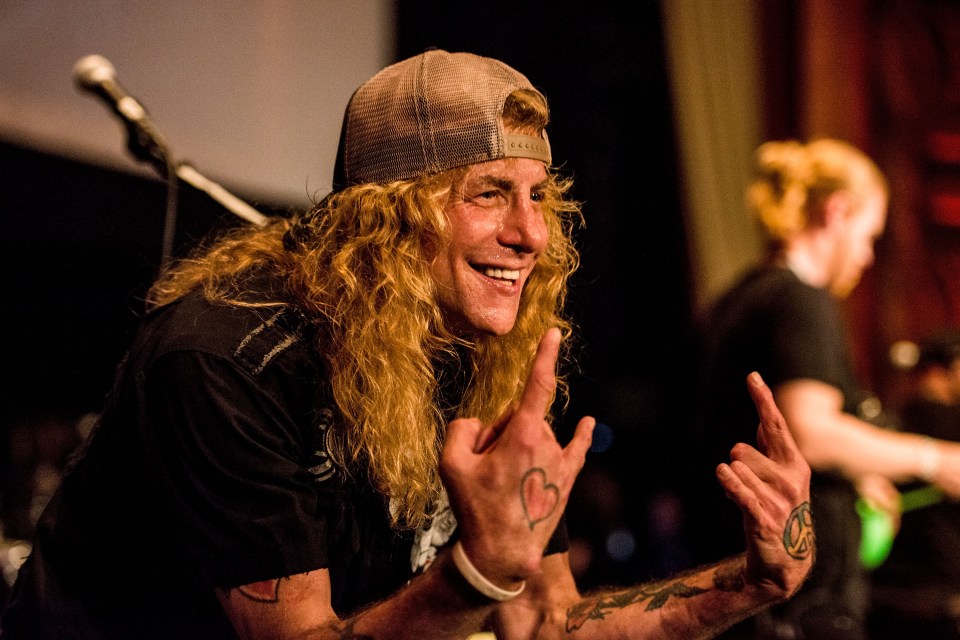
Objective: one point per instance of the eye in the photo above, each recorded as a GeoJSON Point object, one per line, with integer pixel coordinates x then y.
{"type": "Point", "coordinates": [537, 196]}
{"type": "Point", "coordinates": [487, 198]}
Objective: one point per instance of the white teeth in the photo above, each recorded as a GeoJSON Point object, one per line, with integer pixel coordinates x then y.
{"type": "Point", "coordinates": [502, 274]}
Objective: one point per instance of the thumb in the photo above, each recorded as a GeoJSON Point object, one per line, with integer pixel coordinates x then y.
{"type": "Point", "coordinates": [578, 446]}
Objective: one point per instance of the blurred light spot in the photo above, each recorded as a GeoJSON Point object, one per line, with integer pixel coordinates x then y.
{"type": "Point", "coordinates": [665, 515]}
{"type": "Point", "coordinates": [870, 408]}
{"type": "Point", "coordinates": [904, 354]}
{"type": "Point", "coordinates": [621, 545]}
{"type": "Point", "coordinates": [602, 438]}
{"type": "Point", "coordinates": [581, 557]}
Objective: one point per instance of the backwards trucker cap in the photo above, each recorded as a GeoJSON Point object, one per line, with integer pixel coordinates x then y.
{"type": "Point", "coordinates": [430, 113]}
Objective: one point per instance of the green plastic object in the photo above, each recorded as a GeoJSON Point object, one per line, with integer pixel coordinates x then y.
{"type": "Point", "coordinates": [877, 531]}
{"type": "Point", "coordinates": [876, 535]}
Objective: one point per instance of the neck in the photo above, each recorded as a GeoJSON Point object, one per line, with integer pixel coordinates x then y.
{"type": "Point", "coordinates": [806, 258]}
{"type": "Point", "coordinates": [801, 265]}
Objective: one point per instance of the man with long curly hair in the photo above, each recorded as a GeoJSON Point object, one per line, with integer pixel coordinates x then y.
{"type": "Point", "coordinates": [337, 425]}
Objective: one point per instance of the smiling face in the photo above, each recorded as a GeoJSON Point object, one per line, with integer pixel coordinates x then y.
{"type": "Point", "coordinates": [497, 233]}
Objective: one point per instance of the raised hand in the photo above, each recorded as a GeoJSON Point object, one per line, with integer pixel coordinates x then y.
{"type": "Point", "coordinates": [772, 488]}
{"type": "Point", "coordinates": [509, 481]}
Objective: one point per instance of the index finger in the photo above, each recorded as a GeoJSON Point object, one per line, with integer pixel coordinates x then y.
{"type": "Point", "coordinates": [541, 385]}
{"type": "Point", "coordinates": [773, 437]}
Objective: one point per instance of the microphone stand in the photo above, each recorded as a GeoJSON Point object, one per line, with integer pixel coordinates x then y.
{"type": "Point", "coordinates": [147, 145]}
{"type": "Point", "coordinates": [232, 203]}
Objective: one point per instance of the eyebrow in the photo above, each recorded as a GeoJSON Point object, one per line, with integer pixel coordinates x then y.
{"type": "Point", "coordinates": [503, 183]}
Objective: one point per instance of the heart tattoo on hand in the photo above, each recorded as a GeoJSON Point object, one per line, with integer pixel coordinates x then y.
{"type": "Point", "coordinates": [538, 497]}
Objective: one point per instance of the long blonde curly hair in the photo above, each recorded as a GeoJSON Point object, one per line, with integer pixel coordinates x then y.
{"type": "Point", "coordinates": [358, 266]}
{"type": "Point", "coordinates": [794, 179]}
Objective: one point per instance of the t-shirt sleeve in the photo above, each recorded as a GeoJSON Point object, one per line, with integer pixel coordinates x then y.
{"type": "Point", "coordinates": [229, 461]}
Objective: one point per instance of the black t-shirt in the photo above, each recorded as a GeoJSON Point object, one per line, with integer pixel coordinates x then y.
{"type": "Point", "coordinates": [209, 468]}
{"type": "Point", "coordinates": [773, 323]}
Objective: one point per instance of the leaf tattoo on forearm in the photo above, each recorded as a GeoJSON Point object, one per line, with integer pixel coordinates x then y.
{"type": "Point", "coordinates": [729, 578]}
{"type": "Point", "coordinates": [597, 608]}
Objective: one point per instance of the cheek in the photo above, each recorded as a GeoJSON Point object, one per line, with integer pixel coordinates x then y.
{"type": "Point", "coordinates": [440, 265]}
{"type": "Point", "coordinates": [430, 248]}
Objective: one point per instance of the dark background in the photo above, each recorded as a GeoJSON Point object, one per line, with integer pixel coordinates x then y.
{"type": "Point", "coordinates": [82, 243]}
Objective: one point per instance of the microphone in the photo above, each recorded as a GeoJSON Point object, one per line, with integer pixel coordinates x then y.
{"type": "Point", "coordinates": [96, 74]}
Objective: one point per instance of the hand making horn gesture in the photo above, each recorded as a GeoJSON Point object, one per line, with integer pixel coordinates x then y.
{"type": "Point", "coordinates": [772, 488]}
{"type": "Point", "coordinates": [509, 481]}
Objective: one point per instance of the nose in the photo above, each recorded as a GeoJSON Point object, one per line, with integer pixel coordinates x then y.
{"type": "Point", "coordinates": [524, 228]}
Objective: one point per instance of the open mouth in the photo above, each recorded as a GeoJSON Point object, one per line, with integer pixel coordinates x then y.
{"type": "Point", "coordinates": [509, 276]}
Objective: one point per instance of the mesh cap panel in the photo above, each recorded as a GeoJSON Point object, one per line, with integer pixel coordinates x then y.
{"type": "Point", "coordinates": [430, 113]}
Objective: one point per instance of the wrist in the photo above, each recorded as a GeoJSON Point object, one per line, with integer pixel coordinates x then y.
{"type": "Point", "coordinates": [477, 580]}
{"type": "Point", "coordinates": [929, 462]}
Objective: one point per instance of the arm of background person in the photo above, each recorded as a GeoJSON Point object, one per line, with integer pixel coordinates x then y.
{"type": "Point", "coordinates": [833, 440]}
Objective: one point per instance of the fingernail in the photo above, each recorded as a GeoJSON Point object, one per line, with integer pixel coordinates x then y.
{"type": "Point", "coordinates": [755, 379]}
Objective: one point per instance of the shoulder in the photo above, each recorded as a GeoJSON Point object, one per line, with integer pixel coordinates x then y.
{"type": "Point", "coordinates": [780, 283]}
{"type": "Point", "coordinates": [781, 291]}
{"type": "Point", "coordinates": [252, 338]}
{"type": "Point", "coordinates": [758, 293]}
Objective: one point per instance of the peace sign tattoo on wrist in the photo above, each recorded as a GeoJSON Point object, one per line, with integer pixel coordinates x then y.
{"type": "Point", "coordinates": [798, 536]}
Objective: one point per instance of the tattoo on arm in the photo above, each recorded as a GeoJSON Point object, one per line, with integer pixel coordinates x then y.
{"type": "Point", "coordinates": [598, 607]}
{"type": "Point", "coordinates": [798, 540]}
{"type": "Point", "coordinates": [729, 578]}
{"type": "Point", "coordinates": [267, 591]}
{"type": "Point", "coordinates": [798, 536]}
{"type": "Point", "coordinates": [538, 497]}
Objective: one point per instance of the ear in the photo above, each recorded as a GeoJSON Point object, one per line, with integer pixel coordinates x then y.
{"type": "Point", "coordinates": [836, 209]}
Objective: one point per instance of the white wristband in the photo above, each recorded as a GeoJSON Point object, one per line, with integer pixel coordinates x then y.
{"type": "Point", "coordinates": [929, 460]}
{"type": "Point", "coordinates": [477, 579]}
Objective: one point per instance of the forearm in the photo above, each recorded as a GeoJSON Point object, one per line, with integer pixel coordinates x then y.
{"type": "Point", "coordinates": [830, 439]}
{"type": "Point", "coordinates": [439, 604]}
{"type": "Point", "coordinates": [856, 448]}
{"type": "Point", "coordinates": [698, 604]}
